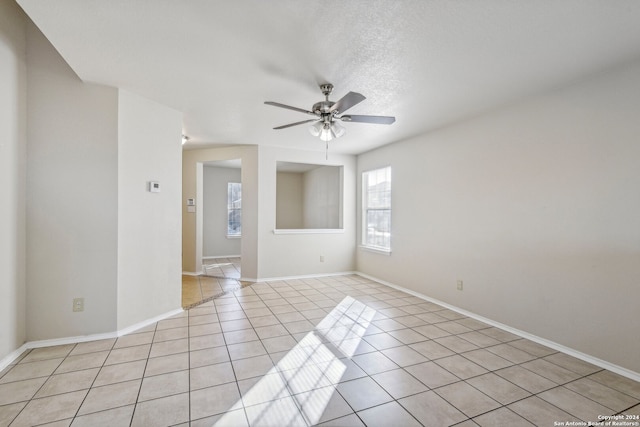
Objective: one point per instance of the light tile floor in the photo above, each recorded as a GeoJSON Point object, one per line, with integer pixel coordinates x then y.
{"type": "Point", "coordinates": [199, 289]}
{"type": "Point", "coordinates": [222, 267]}
{"type": "Point", "coordinates": [338, 351]}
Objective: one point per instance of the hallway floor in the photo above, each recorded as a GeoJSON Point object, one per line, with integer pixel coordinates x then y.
{"type": "Point", "coordinates": [223, 267]}
{"type": "Point", "coordinates": [198, 289]}
{"type": "Point", "coordinates": [333, 351]}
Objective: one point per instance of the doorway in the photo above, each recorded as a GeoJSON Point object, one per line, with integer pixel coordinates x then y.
{"type": "Point", "coordinates": [222, 219]}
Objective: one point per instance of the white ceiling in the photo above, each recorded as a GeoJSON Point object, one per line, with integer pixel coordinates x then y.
{"type": "Point", "coordinates": [429, 63]}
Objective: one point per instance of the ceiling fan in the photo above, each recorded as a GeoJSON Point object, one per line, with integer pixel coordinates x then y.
{"type": "Point", "coordinates": [327, 114]}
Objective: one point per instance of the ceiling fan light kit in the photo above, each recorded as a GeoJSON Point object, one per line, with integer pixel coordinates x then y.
{"type": "Point", "coordinates": [327, 114]}
{"type": "Point", "coordinates": [326, 131]}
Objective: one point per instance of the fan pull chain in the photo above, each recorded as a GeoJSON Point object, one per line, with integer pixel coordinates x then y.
{"type": "Point", "coordinates": [326, 153]}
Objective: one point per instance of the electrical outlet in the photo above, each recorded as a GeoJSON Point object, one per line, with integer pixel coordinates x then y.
{"type": "Point", "coordinates": [321, 258]}
{"type": "Point", "coordinates": [78, 304]}
{"type": "Point", "coordinates": [459, 285]}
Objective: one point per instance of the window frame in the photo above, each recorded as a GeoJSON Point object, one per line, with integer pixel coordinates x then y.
{"type": "Point", "coordinates": [367, 208]}
{"type": "Point", "coordinates": [231, 209]}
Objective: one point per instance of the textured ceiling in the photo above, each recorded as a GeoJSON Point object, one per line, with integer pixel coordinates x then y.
{"type": "Point", "coordinates": [429, 63]}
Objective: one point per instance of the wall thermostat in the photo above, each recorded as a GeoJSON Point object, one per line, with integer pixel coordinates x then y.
{"type": "Point", "coordinates": [154, 186]}
{"type": "Point", "coordinates": [191, 205]}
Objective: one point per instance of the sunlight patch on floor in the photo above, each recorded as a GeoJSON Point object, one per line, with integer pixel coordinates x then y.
{"type": "Point", "coordinates": [307, 375]}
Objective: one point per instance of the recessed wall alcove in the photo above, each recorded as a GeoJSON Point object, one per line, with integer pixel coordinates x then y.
{"type": "Point", "coordinates": [308, 196]}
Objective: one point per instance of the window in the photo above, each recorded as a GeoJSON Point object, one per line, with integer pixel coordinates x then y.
{"type": "Point", "coordinates": [376, 191]}
{"type": "Point", "coordinates": [234, 209]}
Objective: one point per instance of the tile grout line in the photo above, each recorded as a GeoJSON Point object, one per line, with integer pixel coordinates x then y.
{"type": "Point", "coordinates": [135, 407]}
{"type": "Point", "coordinates": [39, 388]}
{"type": "Point", "coordinates": [582, 376]}
{"type": "Point", "coordinates": [189, 358]}
{"type": "Point", "coordinates": [461, 380]}
{"type": "Point", "coordinates": [380, 385]}
{"type": "Point", "coordinates": [244, 409]}
{"type": "Point", "coordinates": [78, 370]}
{"type": "Point", "coordinates": [334, 294]}
{"type": "Point", "coordinates": [514, 364]}
{"type": "Point", "coordinates": [275, 366]}
{"type": "Point", "coordinates": [96, 377]}
{"type": "Point", "coordinates": [464, 380]}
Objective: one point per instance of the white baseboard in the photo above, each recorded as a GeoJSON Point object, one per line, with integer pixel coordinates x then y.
{"type": "Point", "coordinates": [221, 256]}
{"type": "Point", "coordinates": [147, 322]}
{"type": "Point", "coordinates": [304, 276]}
{"type": "Point", "coordinates": [551, 344]}
{"type": "Point", "coordinates": [190, 273]}
{"type": "Point", "coordinates": [6, 361]}
{"type": "Point", "coordinates": [9, 358]}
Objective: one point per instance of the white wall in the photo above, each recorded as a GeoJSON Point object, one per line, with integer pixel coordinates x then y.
{"type": "Point", "coordinates": [322, 194]}
{"type": "Point", "coordinates": [149, 149]}
{"type": "Point", "coordinates": [215, 221]}
{"type": "Point", "coordinates": [13, 141]}
{"type": "Point", "coordinates": [92, 229]}
{"type": "Point", "coordinates": [289, 200]}
{"type": "Point", "coordinates": [72, 187]}
{"type": "Point", "coordinates": [535, 208]}
{"type": "Point", "coordinates": [265, 254]}
{"type": "Point", "coordinates": [283, 255]}
{"type": "Point", "coordinates": [59, 178]}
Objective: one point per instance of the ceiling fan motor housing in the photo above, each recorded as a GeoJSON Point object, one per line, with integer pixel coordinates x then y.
{"type": "Point", "coordinates": [322, 107]}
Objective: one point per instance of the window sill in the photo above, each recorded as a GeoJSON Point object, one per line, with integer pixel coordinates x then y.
{"type": "Point", "coordinates": [234, 236]}
{"type": "Point", "coordinates": [375, 250]}
{"type": "Point", "coordinates": [309, 231]}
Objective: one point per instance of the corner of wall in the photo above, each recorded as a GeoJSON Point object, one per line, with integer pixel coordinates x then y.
{"type": "Point", "coordinates": [149, 223]}
{"type": "Point", "coordinates": [13, 141]}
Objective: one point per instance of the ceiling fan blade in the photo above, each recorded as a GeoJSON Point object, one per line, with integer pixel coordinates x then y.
{"type": "Point", "coordinates": [295, 124]}
{"type": "Point", "coordinates": [347, 101]}
{"type": "Point", "coordinates": [288, 107]}
{"type": "Point", "coordinates": [379, 120]}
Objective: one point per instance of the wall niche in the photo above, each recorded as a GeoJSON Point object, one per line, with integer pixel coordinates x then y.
{"type": "Point", "coordinates": [308, 196]}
